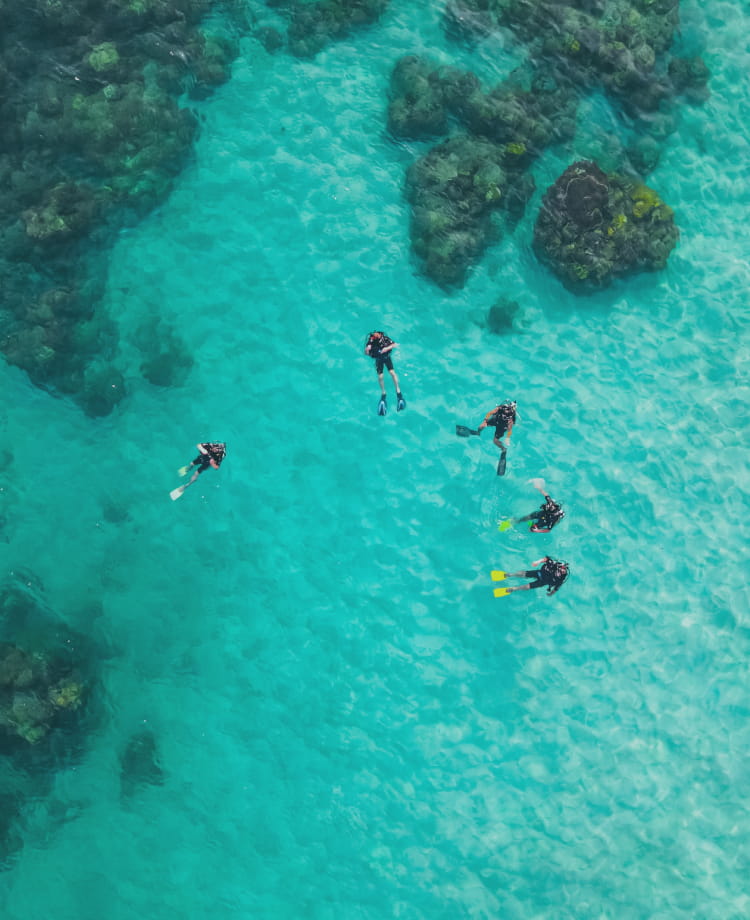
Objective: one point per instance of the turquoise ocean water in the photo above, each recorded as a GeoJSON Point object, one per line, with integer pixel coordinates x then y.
{"type": "Point", "coordinates": [350, 725]}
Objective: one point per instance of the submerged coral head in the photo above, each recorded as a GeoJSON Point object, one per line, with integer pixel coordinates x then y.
{"type": "Point", "coordinates": [586, 193]}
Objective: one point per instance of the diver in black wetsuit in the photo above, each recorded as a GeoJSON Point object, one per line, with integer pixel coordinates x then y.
{"type": "Point", "coordinates": [551, 575]}
{"type": "Point", "coordinates": [549, 514]}
{"type": "Point", "coordinates": [379, 347]}
{"type": "Point", "coordinates": [502, 418]}
{"type": "Point", "coordinates": [211, 455]}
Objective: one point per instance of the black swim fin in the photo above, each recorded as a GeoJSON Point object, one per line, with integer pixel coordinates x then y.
{"type": "Point", "coordinates": [463, 432]}
{"type": "Point", "coordinates": [382, 406]}
{"type": "Point", "coordinates": [501, 464]}
{"type": "Point", "coordinates": [401, 404]}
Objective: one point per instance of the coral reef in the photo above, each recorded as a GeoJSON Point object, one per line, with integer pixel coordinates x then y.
{"type": "Point", "coordinates": [453, 191]}
{"type": "Point", "coordinates": [93, 136]}
{"type": "Point", "coordinates": [526, 112]}
{"type": "Point", "coordinates": [47, 681]}
{"type": "Point", "coordinates": [508, 127]}
{"type": "Point", "coordinates": [594, 227]}
{"type": "Point", "coordinates": [417, 109]}
{"type": "Point", "coordinates": [65, 211]}
{"type": "Point", "coordinates": [614, 44]}
{"type": "Point", "coordinates": [619, 46]}
{"type": "Point", "coordinates": [40, 684]}
{"type": "Point", "coordinates": [690, 77]}
{"type": "Point", "coordinates": [313, 25]}
{"type": "Point", "coordinates": [644, 154]}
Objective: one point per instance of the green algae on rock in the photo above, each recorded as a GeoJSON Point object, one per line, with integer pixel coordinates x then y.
{"type": "Point", "coordinates": [623, 47]}
{"type": "Point", "coordinates": [48, 702]}
{"type": "Point", "coordinates": [313, 25]}
{"type": "Point", "coordinates": [66, 210]}
{"type": "Point", "coordinates": [594, 227]}
{"type": "Point", "coordinates": [453, 191]}
{"type": "Point", "coordinates": [417, 105]}
{"type": "Point", "coordinates": [36, 690]}
{"type": "Point", "coordinates": [93, 137]}
{"type": "Point", "coordinates": [456, 186]}
{"type": "Point", "coordinates": [104, 57]}
{"type": "Point", "coordinates": [615, 43]}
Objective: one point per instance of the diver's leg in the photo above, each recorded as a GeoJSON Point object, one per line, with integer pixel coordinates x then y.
{"type": "Point", "coordinates": [392, 372]}
{"type": "Point", "coordinates": [518, 588]}
{"type": "Point", "coordinates": [196, 474]}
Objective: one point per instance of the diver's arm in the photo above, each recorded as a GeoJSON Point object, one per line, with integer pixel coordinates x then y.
{"type": "Point", "coordinates": [486, 419]}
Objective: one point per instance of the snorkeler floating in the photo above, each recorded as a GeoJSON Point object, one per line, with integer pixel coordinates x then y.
{"type": "Point", "coordinates": [549, 514]}
{"type": "Point", "coordinates": [551, 575]}
{"type": "Point", "coordinates": [379, 347]}
{"type": "Point", "coordinates": [211, 454]}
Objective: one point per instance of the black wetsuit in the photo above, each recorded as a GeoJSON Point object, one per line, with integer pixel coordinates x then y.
{"type": "Point", "coordinates": [376, 346]}
{"type": "Point", "coordinates": [551, 575]}
{"type": "Point", "coordinates": [547, 516]}
{"type": "Point", "coordinates": [502, 418]}
{"type": "Point", "coordinates": [214, 451]}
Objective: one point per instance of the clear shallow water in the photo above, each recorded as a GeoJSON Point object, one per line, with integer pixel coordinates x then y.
{"type": "Point", "coordinates": [350, 724]}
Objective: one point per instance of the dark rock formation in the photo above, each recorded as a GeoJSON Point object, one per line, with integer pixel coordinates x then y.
{"type": "Point", "coordinates": [453, 191]}
{"type": "Point", "coordinates": [92, 138]}
{"type": "Point", "coordinates": [313, 25]}
{"type": "Point", "coordinates": [594, 227]}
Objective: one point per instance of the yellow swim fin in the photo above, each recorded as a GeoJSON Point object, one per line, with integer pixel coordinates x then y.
{"type": "Point", "coordinates": [500, 592]}
{"type": "Point", "coordinates": [505, 525]}
{"type": "Point", "coordinates": [497, 575]}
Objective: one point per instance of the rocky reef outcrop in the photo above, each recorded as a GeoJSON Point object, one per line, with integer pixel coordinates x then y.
{"type": "Point", "coordinates": [48, 681]}
{"type": "Point", "coordinates": [594, 227]}
{"type": "Point", "coordinates": [455, 188]}
{"type": "Point", "coordinates": [93, 136]}
{"type": "Point", "coordinates": [313, 24]}
{"type": "Point", "coordinates": [453, 191]}
{"type": "Point", "coordinates": [620, 47]}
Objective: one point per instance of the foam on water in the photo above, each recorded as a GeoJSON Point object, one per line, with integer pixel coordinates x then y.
{"type": "Point", "coordinates": [350, 725]}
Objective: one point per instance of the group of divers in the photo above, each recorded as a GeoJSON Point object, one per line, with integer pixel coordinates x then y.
{"type": "Point", "coordinates": [546, 572]}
